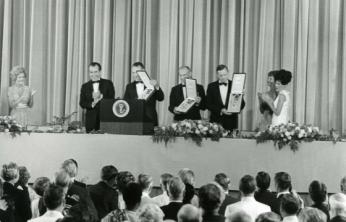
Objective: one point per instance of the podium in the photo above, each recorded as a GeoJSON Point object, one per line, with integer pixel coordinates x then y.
{"type": "Point", "coordinates": [119, 116]}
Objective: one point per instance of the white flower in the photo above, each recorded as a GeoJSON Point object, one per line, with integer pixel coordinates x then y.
{"type": "Point", "coordinates": [287, 134]}
{"type": "Point", "coordinates": [197, 131]}
{"type": "Point", "coordinates": [174, 126]}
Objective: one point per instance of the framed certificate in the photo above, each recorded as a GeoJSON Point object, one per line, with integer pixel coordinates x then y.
{"type": "Point", "coordinates": [143, 75]}
{"type": "Point", "coordinates": [191, 88]}
{"type": "Point", "coordinates": [186, 105]}
{"type": "Point", "coordinates": [236, 96]}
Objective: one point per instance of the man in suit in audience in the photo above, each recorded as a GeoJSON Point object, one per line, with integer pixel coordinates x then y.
{"type": "Point", "coordinates": [176, 189]}
{"type": "Point", "coordinates": [210, 197]}
{"type": "Point", "coordinates": [289, 208]}
{"type": "Point", "coordinates": [92, 92]}
{"type": "Point", "coordinates": [218, 94]}
{"type": "Point", "coordinates": [135, 89]}
{"type": "Point", "coordinates": [224, 181]}
{"type": "Point", "coordinates": [104, 194]}
{"type": "Point", "coordinates": [178, 95]}
{"type": "Point", "coordinates": [247, 187]}
{"type": "Point", "coordinates": [337, 204]}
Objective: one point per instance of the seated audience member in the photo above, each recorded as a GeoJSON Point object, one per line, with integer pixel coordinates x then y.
{"type": "Point", "coordinates": [263, 195]}
{"type": "Point", "coordinates": [104, 194]}
{"type": "Point", "coordinates": [189, 213]}
{"type": "Point", "coordinates": [309, 214]}
{"type": "Point", "coordinates": [343, 185]}
{"type": "Point", "coordinates": [132, 194]}
{"type": "Point", "coordinates": [71, 167]}
{"type": "Point", "coordinates": [239, 216]}
{"type": "Point", "coordinates": [224, 181]}
{"type": "Point", "coordinates": [318, 194]}
{"type": "Point", "coordinates": [37, 206]}
{"type": "Point", "coordinates": [163, 199]}
{"type": "Point", "coordinates": [176, 189]}
{"type": "Point", "coordinates": [17, 198]}
{"type": "Point", "coordinates": [268, 217]}
{"type": "Point", "coordinates": [123, 178]}
{"type": "Point", "coordinates": [188, 178]}
{"type": "Point", "coordinates": [23, 181]}
{"type": "Point", "coordinates": [289, 208]}
{"type": "Point", "coordinates": [150, 213]}
{"type": "Point", "coordinates": [248, 204]}
{"type": "Point", "coordinates": [5, 214]}
{"type": "Point", "coordinates": [210, 202]}
{"type": "Point", "coordinates": [53, 198]}
{"type": "Point", "coordinates": [337, 203]}
{"type": "Point", "coordinates": [146, 182]}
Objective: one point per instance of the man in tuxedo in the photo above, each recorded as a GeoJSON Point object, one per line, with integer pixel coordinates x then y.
{"type": "Point", "coordinates": [224, 181]}
{"type": "Point", "coordinates": [218, 94]}
{"type": "Point", "coordinates": [135, 89]}
{"type": "Point", "coordinates": [92, 92]}
{"type": "Point", "coordinates": [178, 94]}
{"type": "Point", "coordinates": [176, 189]}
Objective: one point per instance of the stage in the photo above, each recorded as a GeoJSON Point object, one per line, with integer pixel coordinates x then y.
{"type": "Point", "coordinates": [42, 154]}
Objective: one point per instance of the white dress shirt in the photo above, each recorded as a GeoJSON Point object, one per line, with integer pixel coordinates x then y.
{"type": "Point", "coordinates": [292, 218]}
{"type": "Point", "coordinates": [146, 199]}
{"type": "Point", "coordinates": [223, 92]}
{"type": "Point", "coordinates": [162, 200]}
{"type": "Point", "coordinates": [96, 86]}
{"type": "Point", "coordinates": [140, 90]}
{"type": "Point", "coordinates": [249, 205]}
{"type": "Point", "coordinates": [49, 216]}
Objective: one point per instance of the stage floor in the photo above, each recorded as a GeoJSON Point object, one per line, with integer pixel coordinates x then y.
{"type": "Point", "coordinates": [42, 154]}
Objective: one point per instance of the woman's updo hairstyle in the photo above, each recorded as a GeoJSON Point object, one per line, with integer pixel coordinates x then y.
{"type": "Point", "coordinates": [15, 71]}
{"type": "Point", "coordinates": [9, 171]}
{"type": "Point", "coordinates": [283, 76]}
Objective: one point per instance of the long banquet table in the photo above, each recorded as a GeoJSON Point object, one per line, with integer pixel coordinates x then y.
{"type": "Point", "coordinates": [42, 154]}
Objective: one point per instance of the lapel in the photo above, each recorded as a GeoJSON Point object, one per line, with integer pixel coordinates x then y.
{"type": "Point", "coordinates": [228, 93]}
{"type": "Point", "coordinates": [101, 86]}
{"type": "Point", "coordinates": [180, 94]}
{"type": "Point", "coordinates": [218, 93]}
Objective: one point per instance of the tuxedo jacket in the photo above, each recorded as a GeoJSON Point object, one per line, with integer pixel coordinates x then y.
{"type": "Point", "coordinates": [171, 210]}
{"type": "Point", "coordinates": [215, 104]}
{"type": "Point", "coordinates": [227, 201]}
{"type": "Point", "coordinates": [177, 97]}
{"type": "Point", "coordinates": [149, 105]}
{"type": "Point", "coordinates": [268, 198]}
{"type": "Point", "coordinates": [92, 117]}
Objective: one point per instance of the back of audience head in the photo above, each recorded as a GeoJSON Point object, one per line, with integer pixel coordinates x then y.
{"type": "Point", "coordinates": [24, 176]}
{"type": "Point", "coordinates": [71, 167]}
{"type": "Point", "coordinates": [343, 185]}
{"type": "Point", "coordinates": [309, 214]}
{"type": "Point", "coordinates": [63, 180]}
{"type": "Point", "coordinates": [209, 198]}
{"type": "Point", "coordinates": [176, 189]}
{"type": "Point", "coordinates": [187, 176]}
{"type": "Point", "coordinates": [109, 174]}
{"type": "Point", "coordinates": [10, 173]}
{"type": "Point", "coordinates": [283, 182]}
{"type": "Point", "coordinates": [318, 192]}
{"type": "Point", "coordinates": [263, 180]}
{"type": "Point", "coordinates": [189, 213]}
{"type": "Point", "coordinates": [146, 182]}
{"type": "Point", "coordinates": [247, 185]}
{"type": "Point", "coordinates": [54, 197]}
{"type": "Point", "coordinates": [132, 195]}
{"type": "Point", "coordinates": [239, 216]}
{"type": "Point", "coordinates": [164, 179]}
{"type": "Point", "coordinates": [124, 178]}
{"type": "Point", "coordinates": [40, 185]}
{"type": "Point", "coordinates": [150, 213]}
{"type": "Point", "coordinates": [223, 180]}
{"type": "Point", "coordinates": [289, 205]}
{"type": "Point", "coordinates": [268, 217]}
{"type": "Point", "coordinates": [337, 203]}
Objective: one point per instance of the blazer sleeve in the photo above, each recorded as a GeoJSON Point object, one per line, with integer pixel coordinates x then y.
{"type": "Point", "coordinates": [172, 101]}
{"type": "Point", "coordinates": [110, 91]}
{"type": "Point", "coordinates": [242, 104]}
{"type": "Point", "coordinates": [84, 101]}
{"type": "Point", "coordinates": [23, 204]}
{"type": "Point", "coordinates": [211, 101]}
{"type": "Point", "coordinates": [159, 96]}
{"type": "Point", "coordinates": [201, 93]}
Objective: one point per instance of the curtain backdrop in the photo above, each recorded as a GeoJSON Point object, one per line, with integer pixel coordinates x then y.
{"type": "Point", "coordinates": [55, 40]}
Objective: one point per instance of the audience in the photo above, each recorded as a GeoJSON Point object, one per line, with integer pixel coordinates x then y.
{"type": "Point", "coordinates": [176, 189]}
{"type": "Point", "coordinates": [5, 213]}
{"type": "Point", "coordinates": [123, 179]}
{"type": "Point", "coordinates": [53, 198]}
{"type": "Point", "coordinates": [263, 195]}
{"type": "Point", "coordinates": [289, 207]}
{"type": "Point", "coordinates": [224, 181]}
{"type": "Point", "coordinates": [104, 194]}
{"type": "Point", "coordinates": [188, 178]}
{"type": "Point", "coordinates": [268, 217]}
{"type": "Point", "coordinates": [343, 185]}
{"type": "Point", "coordinates": [189, 213]}
{"type": "Point", "coordinates": [310, 214]}
{"type": "Point", "coordinates": [337, 203]}
{"type": "Point", "coordinates": [318, 194]}
{"type": "Point", "coordinates": [248, 204]}
{"type": "Point", "coordinates": [163, 199]}
{"type": "Point", "coordinates": [37, 206]}
{"type": "Point", "coordinates": [150, 213]}
{"type": "Point", "coordinates": [146, 183]}
{"type": "Point", "coordinates": [239, 216]}
{"type": "Point", "coordinates": [23, 181]}
{"type": "Point", "coordinates": [71, 167]}
{"type": "Point", "coordinates": [210, 202]}
{"type": "Point", "coordinates": [132, 194]}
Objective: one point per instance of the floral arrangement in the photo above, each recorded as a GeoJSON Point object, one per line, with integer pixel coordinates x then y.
{"type": "Point", "coordinates": [9, 124]}
{"type": "Point", "coordinates": [289, 134]}
{"type": "Point", "coordinates": [195, 130]}
{"type": "Point", "coordinates": [64, 124]}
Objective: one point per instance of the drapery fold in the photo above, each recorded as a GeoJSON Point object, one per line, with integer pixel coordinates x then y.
{"type": "Point", "coordinates": [55, 40]}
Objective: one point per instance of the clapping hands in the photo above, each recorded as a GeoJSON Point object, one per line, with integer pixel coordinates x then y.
{"type": "Point", "coordinates": [3, 205]}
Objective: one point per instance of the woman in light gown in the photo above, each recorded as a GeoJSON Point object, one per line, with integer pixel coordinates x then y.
{"type": "Point", "coordinates": [20, 96]}
{"type": "Point", "coordinates": [280, 105]}
{"type": "Point", "coordinates": [266, 111]}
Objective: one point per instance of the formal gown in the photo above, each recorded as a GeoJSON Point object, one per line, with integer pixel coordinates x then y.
{"type": "Point", "coordinates": [20, 110]}
{"type": "Point", "coordinates": [283, 117]}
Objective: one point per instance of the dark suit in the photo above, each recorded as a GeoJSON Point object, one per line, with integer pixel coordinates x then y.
{"type": "Point", "coordinates": [268, 198]}
{"type": "Point", "coordinates": [215, 104]}
{"type": "Point", "coordinates": [212, 218]}
{"type": "Point", "coordinates": [105, 198]}
{"type": "Point", "coordinates": [228, 200]}
{"type": "Point", "coordinates": [150, 104]}
{"type": "Point", "coordinates": [338, 219]}
{"type": "Point", "coordinates": [171, 210]}
{"type": "Point", "coordinates": [324, 208]}
{"type": "Point", "coordinates": [92, 117]}
{"type": "Point", "coordinates": [177, 97]}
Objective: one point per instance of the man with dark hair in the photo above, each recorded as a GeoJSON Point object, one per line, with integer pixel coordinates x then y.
{"type": "Point", "coordinates": [289, 207]}
{"type": "Point", "coordinates": [248, 204]}
{"type": "Point", "coordinates": [135, 90]}
{"type": "Point", "coordinates": [178, 95]}
{"type": "Point", "coordinates": [224, 181]}
{"type": "Point", "coordinates": [104, 194]}
{"type": "Point", "coordinates": [263, 195]}
{"type": "Point", "coordinates": [176, 189]}
{"type": "Point", "coordinates": [53, 199]}
{"type": "Point", "coordinates": [218, 94]}
{"type": "Point", "coordinates": [163, 199]}
{"type": "Point", "coordinates": [210, 201]}
{"type": "Point", "coordinates": [283, 183]}
{"type": "Point", "coordinates": [318, 194]}
{"type": "Point", "coordinates": [92, 92]}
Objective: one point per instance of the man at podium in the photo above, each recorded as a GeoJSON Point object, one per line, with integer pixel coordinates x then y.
{"type": "Point", "coordinates": [92, 92]}
{"type": "Point", "coordinates": [136, 90]}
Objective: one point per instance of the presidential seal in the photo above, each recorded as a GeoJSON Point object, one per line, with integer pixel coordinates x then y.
{"type": "Point", "coordinates": [121, 108]}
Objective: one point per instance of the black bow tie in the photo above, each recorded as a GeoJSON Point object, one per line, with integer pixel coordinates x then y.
{"type": "Point", "coordinates": [222, 83]}
{"type": "Point", "coordinates": [98, 81]}
{"type": "Point", "coordinates": [138, 82]}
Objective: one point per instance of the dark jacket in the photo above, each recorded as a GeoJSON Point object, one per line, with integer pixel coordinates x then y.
{"type": "Point", "coordinates": [324, 208]}
{"type": "Point", "coordinates": [228, 200]}
{"type": "Point", "coordinates": [268, 198]}
{"type": "Point", "coordinates": [171, 210]}
{"type": "Point", "coordinates": [212, 218]}
{"type": "Point", "coordinates": [338, 219]}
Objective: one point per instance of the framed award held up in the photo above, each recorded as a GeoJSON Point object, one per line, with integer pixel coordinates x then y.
{"type": "Point", "coordinates": [236, 96]}
{"type": "Point", "coordinates": [191, 94]}
{"type": "Point", "coordinates": [146, 81]}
